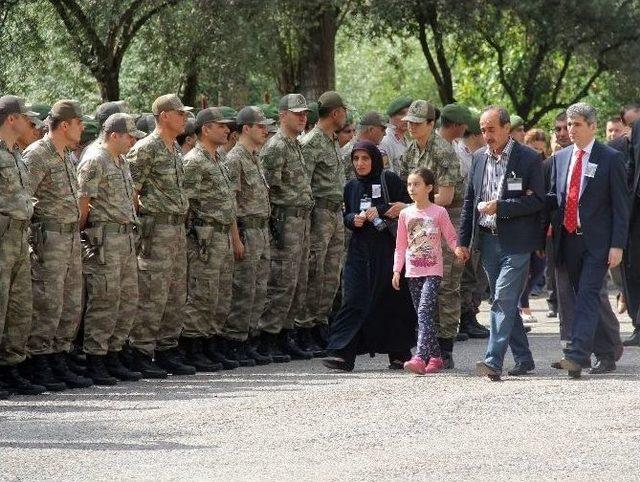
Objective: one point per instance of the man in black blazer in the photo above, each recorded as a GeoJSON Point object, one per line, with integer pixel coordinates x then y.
{"type": "Point", "coordinates": [501, 218]}
{"type": "Point", "coordinates": [589, 199]}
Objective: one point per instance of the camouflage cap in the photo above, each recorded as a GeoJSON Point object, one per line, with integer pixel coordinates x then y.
{"type": "Point", "coordinates": [90, 132]}
{"type": "Point", "coordinates": [108, 108]}
{"type": "Point", "coordinates": [474, 125]}
{"type": "Point", "coordinates": [11, 104]}
{"type": "Point", "coordinates": [294, 103]}
{"type": "Point", "coordinates": [168, 102]}
{"type": "Point", "coordinates": [374, 119]}
{"type": "Point", "coordinates": [66, 109]}
{"type": "Point", "coordinates": [456, 113]}
{"type": "Point", "coordinates": [42, 110]}
{"type": "Point", "coordinates": [516, 121]}
{"type": "Point", "coordinates": [398, 104]}
{"type": "Point", "coordinates": [123, 124]}
{"type": "Point", "coordinates": [420, 111]}
{"type": "Point", "coordinates": [330, 100]}
{"type": "Point", "coordinates": [146, 123]}
{"type": "Point", "coordinates": [212, 114]}
{"type": "Point", "coordinates": [312, 116]}
{"type": "Point", "coordinates": [252, 115]}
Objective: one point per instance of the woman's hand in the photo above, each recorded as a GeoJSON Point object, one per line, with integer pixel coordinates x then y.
{"type": "Point", "coordinates": [371, 214]}
{"type": "Point", "coordinates": [394, 210]}
{"type": "Point", "coordinates": [359, 219]}
{"type": "Point", "coordinates": [462, 254]}
{"type": "Point", "coordinates": [395, 281]}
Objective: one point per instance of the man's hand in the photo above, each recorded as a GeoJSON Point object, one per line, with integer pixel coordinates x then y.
{"type": "Point", "coordinates": [238, 250]}
{"type": "Point", "coordinates": [488, 208]}
{"type": "Point", "coordinates": [358, 220]}
{"type": "Point", "coordinates": [615, 257]}
{"type": "Point", "coordinates": [540, 253]}
{"type": "Point", "coordinates": [395, 281]}
{"type": "Point", "coordinates": [462, 253]}
{"type": "Point", "coordinates": [371, 214]}
{"type": "Point", "coordinates": [394, 210]}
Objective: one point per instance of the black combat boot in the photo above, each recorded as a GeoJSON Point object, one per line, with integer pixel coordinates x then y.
{"type": "Point", "coordinates": [469, 325]}
{"type": "Point", "coordinates": [98, 372]}
{"type": "Point", "coordinates": [4, 392]}
{"type": "Point", "coordinates": [195, 357]}
{"type": "Point", "coordinates": [253, 352]}
{"type": "Point", "coordinates": [270, 346]}
{"type": "Point", "coordinates": [144, 364]}
{"type": "Point", "coordinates": [58, 363]}
{"type": "Point", "coordinates": [320, 334]}
{"type": "Point", "coordinates": [41, 374]}
{"type": "Point", "coordinates": [77, 361]}
{"type": "Point", "coordinates": [114, 366]}
{"type": "Point", "coordinates": [173, 361]}
{"type": "Point", "coordinates": [236, 350]}
{"type": "Point", "coordinates": [16, 383]}
{"type": "Point", "coordinates": [307, 342]}
{"type": "Point", "coordinates": [291, 348]}
{"type": "Point", "coordinates": [214, 350]}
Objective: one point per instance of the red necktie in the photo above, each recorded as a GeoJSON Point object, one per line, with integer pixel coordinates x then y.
{"type": "Point", "coordinates": [573, 195]}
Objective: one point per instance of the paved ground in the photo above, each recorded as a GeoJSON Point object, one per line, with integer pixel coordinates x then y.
{"type": "Point", "coordinates": [297, 421]}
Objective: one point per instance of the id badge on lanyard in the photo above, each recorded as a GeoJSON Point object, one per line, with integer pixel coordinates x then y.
{"type": "Point", "coordinates": [365, 203]}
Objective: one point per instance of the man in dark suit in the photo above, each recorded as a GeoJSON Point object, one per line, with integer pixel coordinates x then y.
{"type": "Point", "coordinates": [501, 218]}
{"type": "Point", "coordinates": [588, 194]}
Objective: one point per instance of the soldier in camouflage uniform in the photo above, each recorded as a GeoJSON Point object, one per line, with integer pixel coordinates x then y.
{"type": "Point", "coordinates": [16, 209]}
{"type": "Point", "coordinates": [428, 149]}
{"type": "Point", "coordinates": [107, 216]}
{"type": "Point", "coordinates": [290, 223]}
{"type": "Point", "coordinates": [212, 214]}
{"type": "Point", "coordinates": [326, 173]}
{"type": "Point", "coordinates": [56, 266]}
{"type": "Point", "coordinates": [158, 174]}
{"type": "Point", "coordinates": [103, 112]}
{"type": "Point", "coordinates": [250, 238]}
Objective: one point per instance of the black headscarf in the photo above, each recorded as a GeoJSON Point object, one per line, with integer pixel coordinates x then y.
{"type": "Point", "coordinates": [376, 160]}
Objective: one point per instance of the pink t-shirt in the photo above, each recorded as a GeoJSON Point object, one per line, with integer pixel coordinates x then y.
{"type": "Point", "coordinates": [419, 240]}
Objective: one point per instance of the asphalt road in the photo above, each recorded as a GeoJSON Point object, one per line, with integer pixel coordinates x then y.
{"type": "Point", "coordinates": [299, 421]}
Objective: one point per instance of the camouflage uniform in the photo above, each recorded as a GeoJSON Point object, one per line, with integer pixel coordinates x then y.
{"type": "Point", "coordinates": [111, 282]}
{"type": "Point", "coordinates": [212, 205]}
{"type": "Point", "coordinates": [440, 158]}
{"type": "Point", "coordinates": [56, 267]}
{"type": "Point", "coordinates": [250, 274]}
{"type": "Point", "coordinates": [326, 172]}
{"type": "Point", "coordinates": [291, 201]}
{"type": "Point", "coordinates": [16, 209]}
{"type": "Point", "coordinates": [158, 175]}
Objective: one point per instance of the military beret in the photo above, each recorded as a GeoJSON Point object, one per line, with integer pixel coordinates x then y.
{"type": "Point", "coordinates": [42, 110]}
{"type": "Point", "coordinates": [516, 121]}
{"type": "Point", "coordinates": [90, 132]}
{"type": "Point", "coordinates": [474, 124]}
{"type": "Point", "coordinates": [330, 100]}
{"type": "Point", "coordinates": [212, 114]}
{"type": "Point", "coordinates": [252, 115]}
{"type": "Point", "coordinates": [270, 111]}
{"type": "Point", "coordinates": [421, 111]}
{"type": "Point", "coordinates": [123, 124]}
{"type": "Point", "coordinates": [168, 102]}
{"type": "Point", "coordinates": [374, 119]}
{"type": "Point", "coordinates": [456, 113]}
{"type": "Point", "coordinates": [228, 112]}
{"type": "Point", "coordinates": [312, 116]}
{"type": "Point", "coordinates": [294, 103]}
{"type": "Point", "coordinates": [398, 104]}
{"type": "Point", "coordinates": [66, 109]}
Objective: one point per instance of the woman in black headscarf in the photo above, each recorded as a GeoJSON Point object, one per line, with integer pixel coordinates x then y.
{"type": "Point", "coordinates": [373, 318]}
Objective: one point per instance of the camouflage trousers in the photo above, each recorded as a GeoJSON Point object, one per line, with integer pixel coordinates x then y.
{"type": "Point", "coordinates": [15, 295]}
{"type": "Point", "coordinates": [162, 291]}
{"type": "Point", "coordinates": [56, 278]}
{"type": "Point", "coordinates": [449, 290]}
{"type": "Point", "coordinates": [209, 287]}
{"type": "Point", "coordinates": [250, 276]}
{"type": "Point", "coordinates": [325, 260]}
{"type": "Point", "coordinates": [287, 287]}
{"type": "Point", "coordinates": [111, 293]}
{"type": "Point", "coordinates": [472, 285]}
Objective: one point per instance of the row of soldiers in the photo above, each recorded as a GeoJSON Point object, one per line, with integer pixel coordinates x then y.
{"type": "Point", "coordinates": [176, 263]}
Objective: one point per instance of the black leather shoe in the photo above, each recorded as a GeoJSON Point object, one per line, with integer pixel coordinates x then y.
{"type": "Point", "coordinates": [527, 329]}
{"type": "Point", "coordinates": [98, 372]}
{"type": "Point", "coordinates": [173, 362]}
{"type": "Point", "coordinates": [484, 370]}
{"type": "Point", "coordinates": [58, 363]}
{"type": "Point", "coordinates": [143, 363]}
{"type": "Point", "coordinates": [469, 325]}
{"type": "Point", "coordinates": [552, 314]}
{"type": "Point", "coordinates": [237, 351]}
{"type": "Point", "coordinates": [574, 369]}
{"type": "Point", "coordinates": [634, 339]}
{"type": "Point", "coordinates": [462, 336]}
{"type": "Point", "coordinates": [16, 383]}
{"type": "Point", "coordinates": [215, 351]}
{"type": "Point", "coordinates": [603, 366]}
{"type": "Point", "coordinates": [195, 356]}
{"type": "Point", "coordinates": [116, 369]}
{"type": "Point", "coordinates": [41, 374]}
{"type": "Point", "coordinates": [337, 363]}
{"type": "Point", "coordinates": [521, 369]}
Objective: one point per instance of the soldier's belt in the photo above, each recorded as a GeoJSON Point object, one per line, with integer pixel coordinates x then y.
{"type": "Point", "coordinates": [294, 212]}
{"type": "Point", "coordinates": [55, 226]}
{"type": "Point", "coordinates": [17, 224]}
{"type": "Point", "coordinates": [217, 227]}
{"type": "Point", "coordinates": [330, 205]}
{"type": "Point", "coordinates": [171, 219]}
{"type": "Point", "coordinates": [113, 228]}
{"type": "Point", "coordinates": [253, 222]}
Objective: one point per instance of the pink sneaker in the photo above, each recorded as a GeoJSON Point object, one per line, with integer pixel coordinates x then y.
{"type": "Point", "coordinates": [434, 366]}
{"type": "Point", "coordinates": [416, 365]}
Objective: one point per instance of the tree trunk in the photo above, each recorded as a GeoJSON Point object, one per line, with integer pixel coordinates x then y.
{"type": "Point", "coordinates": [317, 60]}
{"type": "Point", "coordinates": [109, 83]}
{"type": "Point", "coordinates": [190, 82]}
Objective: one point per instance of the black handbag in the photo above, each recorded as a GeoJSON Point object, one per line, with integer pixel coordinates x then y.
{"type": "Point", "coordinates": [392, 224]}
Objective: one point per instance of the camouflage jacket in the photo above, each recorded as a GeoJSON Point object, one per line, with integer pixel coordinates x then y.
{"type": "Point", "coordinates": [15, 191]}
{"type": "Point", "coordinates": [248, 182]}
{"type": "Point", "coordinates": [284, 169]}
{"type": "Point", "coordinates": [158, 174]}
{"type": "Point", "coordinates": [324, 165]}
{"type": "Point", "coordinates": [54, 182]}
{"type": "Point", "coordinates": [208, 186]}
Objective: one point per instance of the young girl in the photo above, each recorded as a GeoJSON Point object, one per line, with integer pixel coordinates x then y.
{"type": "Point", "coordinates": [420, 228]}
